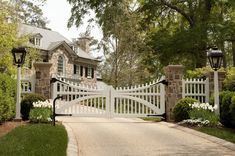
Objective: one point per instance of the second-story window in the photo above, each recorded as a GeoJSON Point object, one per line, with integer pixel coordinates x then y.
{"type": "Point", "coordinates": [35, 41]}
{"type": "Point", "coordinates": [60, 65]}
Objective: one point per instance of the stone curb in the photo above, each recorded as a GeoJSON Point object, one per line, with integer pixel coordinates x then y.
{"type": "Point", "coordinates": [72, 148]}
{"type": "Point", "coordinates": [216, 140]}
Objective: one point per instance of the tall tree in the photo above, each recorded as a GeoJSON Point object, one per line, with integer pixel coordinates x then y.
{"type": "Point", "coordinates": [185, 22]}
{"type": "Point", "coordinates": [29, 12]}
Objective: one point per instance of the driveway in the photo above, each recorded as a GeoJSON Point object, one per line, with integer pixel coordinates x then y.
{"type": "Point", "coordinates": [135, 137]}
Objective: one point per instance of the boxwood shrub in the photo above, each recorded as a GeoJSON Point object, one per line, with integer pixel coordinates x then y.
{"type": "Point", "coordinates": [227, 101]}
{"type": "Point", "coordinates": [27, 104]}
{"type": "Point", "coordinates": [182, 108]}
{"type": "Point", "coordinates": [7, 97]}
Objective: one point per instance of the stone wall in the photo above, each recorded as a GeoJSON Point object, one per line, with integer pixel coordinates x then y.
{"type": "Point", "coordinates": [69, 65]}
{"type": "Point", "coordinates": [173, 91]}
{"type": "Point", "coordinates": [43, 77]}
{"type": "Point", "coordinates": [54, 60]}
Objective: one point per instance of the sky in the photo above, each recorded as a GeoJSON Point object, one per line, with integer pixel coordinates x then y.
{"type": "Point", "coordinates": [58, 13]}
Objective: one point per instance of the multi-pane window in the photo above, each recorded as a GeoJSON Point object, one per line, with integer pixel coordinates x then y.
{"type": "Point", "coordinates": [89, 72]}
{"type": "Point", "coordinates": [35, 41]}
{"type": "Point", "coordinates": [60, 65]}
{"type": "Point", "coordinates": [76, 69]}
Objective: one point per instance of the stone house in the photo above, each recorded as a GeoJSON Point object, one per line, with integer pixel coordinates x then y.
{"type": "Point", "coordinates": [59, 57]}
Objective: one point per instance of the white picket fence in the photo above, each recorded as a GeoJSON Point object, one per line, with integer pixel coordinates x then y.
{"type": "Point", "coordinates": [137, 101]}
{"type": "Point", "coordinates": [196, 88]}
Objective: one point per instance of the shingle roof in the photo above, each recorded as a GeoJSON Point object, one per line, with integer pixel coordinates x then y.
{"type": "Point", "coordinates": [50, 39]}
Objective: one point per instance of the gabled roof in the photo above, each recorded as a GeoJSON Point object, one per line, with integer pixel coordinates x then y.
{"type": "Point", "coordinates": [50, 39]}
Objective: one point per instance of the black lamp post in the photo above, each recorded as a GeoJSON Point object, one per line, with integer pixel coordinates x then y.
{"type": "Point", "coordinates": [19, 57]}
{"type": "Point", "coordinates": [215, 57]}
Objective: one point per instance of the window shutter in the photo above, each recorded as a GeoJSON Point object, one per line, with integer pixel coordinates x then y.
{"type": "Point", "coordinates": [86, 71]}
{"type": "Point", "coordinates": [92, 72]}
{"type": "Point", "coordinates": [81, 70]}
{"type": "Point", "coordinates": [74, 69]}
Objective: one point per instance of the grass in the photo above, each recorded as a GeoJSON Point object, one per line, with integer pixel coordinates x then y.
{"type": "Point", "coordinates": [35, 140]}
{"type": "Point", "coordinates": [153, 119]}
{"type": "Point", "coordinates": [223, 133]}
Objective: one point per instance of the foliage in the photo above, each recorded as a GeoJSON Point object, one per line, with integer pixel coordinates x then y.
{"type": "Point", "coordinates": [9, 38]}
{"type": "Point", "coordinates": [41, 112]}
{"type": "Point", "coordinates": [27, 104]}
{"type": "Point", "coordinates": [7, 94]}
{"type": "Point", "coordinates": [40, 115]}
{"type": "Point", "coordinates": [198, 72]}
{"type": "Point", "coordinates": [225, 108]}
{"type": "Point", "coordinates": [182, 108]}
{"type": "Point", "coordinates": [204, 112]}
{"type": "Point", "coordinates": [229, 82]}
{"type": "Point", "coordinates": [35, 139]}
{"type": "Point", "coordinates": [232, 110]}
{"type": "Point", "coordinates": [29, 12]}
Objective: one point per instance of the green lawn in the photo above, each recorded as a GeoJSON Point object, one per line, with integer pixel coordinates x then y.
{"type": "Point", "coordinates": [35, 140]}
{"type": "Point", "coordinates": [223, 133]}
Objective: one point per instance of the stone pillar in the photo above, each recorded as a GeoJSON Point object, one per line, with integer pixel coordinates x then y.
{"type": "Point", "coordinates": [173, 91]}
{"type": "Point", "coordinates": [43, 78]}
{"type": "Point", "coordinates": [221, 77]}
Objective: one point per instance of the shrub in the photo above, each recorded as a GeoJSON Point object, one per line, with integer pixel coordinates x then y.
{"type": "Point", "coordinates": [40, 115]}
{"type": "Point", "coordinates": [41, 112]}
{"type": "Point", "coordinates": [229, 82]}
{"type": "Point", "coordinates": [182, 108]}
{"type": "Point", "coordinates": [204, 112]}
{"type": "Point", "coordinates": [232, 111]}
{"type": "Point", "coordinates": [7, 97]}
{"type": "Point", "coordinates": [197, 73]}
{"type": "Point", "coordinates": [27, 104]}
{"type": "Point", "coordinates": [225, 113]}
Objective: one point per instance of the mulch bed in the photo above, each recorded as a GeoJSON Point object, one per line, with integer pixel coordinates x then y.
{"type": "Point", "coordinates": [6, 127]}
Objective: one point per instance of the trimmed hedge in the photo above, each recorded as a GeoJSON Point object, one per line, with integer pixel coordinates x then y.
{"type": "Point", "coordinates": [227, 108]}
{"type": "Point", "coordinates": [182, 108]}
{"type": "Point", "coordinates": [27, 104]}
{"type": "Point", "coordinates": [7, 97]}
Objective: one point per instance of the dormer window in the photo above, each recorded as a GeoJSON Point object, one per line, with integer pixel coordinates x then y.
{"type": "Point", "coordinates": [36, 39]}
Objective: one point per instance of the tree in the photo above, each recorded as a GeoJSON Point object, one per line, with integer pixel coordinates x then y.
{"type": "Point", "coordinates": [29, 12]}
{"type": "Point", "coordinates": [122, 40]}
{"type": "Point", "coordinates": [184, 22]}
{"type": "Point", "coordinates": [10, 39]}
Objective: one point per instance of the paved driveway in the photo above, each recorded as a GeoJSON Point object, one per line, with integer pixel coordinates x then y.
{"type": "Point", "coordinates": [134, 137]}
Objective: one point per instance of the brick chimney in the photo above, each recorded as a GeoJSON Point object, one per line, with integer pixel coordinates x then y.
{"type": "Point", "coordinates": [84, 43]}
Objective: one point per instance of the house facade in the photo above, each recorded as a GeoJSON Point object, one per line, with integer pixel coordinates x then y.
{"type": "Point", "coordinates": [59, 58]}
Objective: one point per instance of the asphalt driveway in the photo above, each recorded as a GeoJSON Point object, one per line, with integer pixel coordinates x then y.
{"type": "Point", "coordinates": [135, 137]}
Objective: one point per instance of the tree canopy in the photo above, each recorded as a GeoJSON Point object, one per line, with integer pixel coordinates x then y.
{"type": "Point", "coordinates": [164, 32]}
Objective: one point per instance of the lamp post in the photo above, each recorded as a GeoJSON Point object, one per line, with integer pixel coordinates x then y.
{"type": "Point", "coordinates": [215, 57]}
{"type": "Point", "coordinates": [19, 57]}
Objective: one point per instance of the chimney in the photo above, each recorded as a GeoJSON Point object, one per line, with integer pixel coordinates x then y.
{"type": "Point", "coordinates": [84, 43]}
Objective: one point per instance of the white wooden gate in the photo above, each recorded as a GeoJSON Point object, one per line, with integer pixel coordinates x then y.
{"type": "Point", "coordinates": [138, 101]}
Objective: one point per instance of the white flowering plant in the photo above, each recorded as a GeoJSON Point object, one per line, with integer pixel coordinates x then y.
{"type": "Point", "coordinates": [41, 112]}
{"type": "Point", "coordinates": [202, 114]}
{"type": "Point", "coordinates": [42, 104]}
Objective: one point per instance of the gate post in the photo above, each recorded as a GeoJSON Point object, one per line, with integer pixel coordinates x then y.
{"type": "Point", "coordinates": [173, 91]}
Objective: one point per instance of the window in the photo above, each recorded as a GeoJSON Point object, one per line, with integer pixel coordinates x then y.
{"type": "Point", "coordinates": [81, 71]}
{"type": "Point", "coordinates": [89, 72]}
{"type": "Point", "coordinates": [76, 69]}
{"type": "Point", "coordinates": [60, 65]}
{"type": "Point", "coordinates": [35, 41]}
